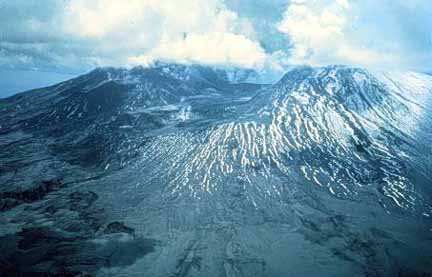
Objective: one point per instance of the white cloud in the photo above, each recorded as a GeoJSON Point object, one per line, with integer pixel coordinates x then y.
{"type": "Point", "coordinates": [208, 48]}
{"type": "Point", "coordinates": [141, 31]}
{"type": "Point", "coordinates": [76, 35]}
{"type": "Point", "coordinates": [352, 32]}
{"type": "Point", "coordinates": [318, 32]}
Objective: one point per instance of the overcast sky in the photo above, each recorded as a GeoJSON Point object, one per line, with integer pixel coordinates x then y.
{"type": "Point", "coordinates": [72, 36]}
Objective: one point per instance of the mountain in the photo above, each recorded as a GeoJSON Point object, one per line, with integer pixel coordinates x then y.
{"type": "Point", "coordinates": [99, 108]}
{"type": "Point", "coordinates": [180, 170]}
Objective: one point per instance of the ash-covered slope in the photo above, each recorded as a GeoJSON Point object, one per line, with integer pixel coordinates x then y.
{"type": "Point", "coordinates": [88, 117]}
{"type": "Point", "coordinates": [185, 171]}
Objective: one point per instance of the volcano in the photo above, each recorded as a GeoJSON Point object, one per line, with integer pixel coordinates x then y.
{"type": "Point", "coordinates": [188, 170]}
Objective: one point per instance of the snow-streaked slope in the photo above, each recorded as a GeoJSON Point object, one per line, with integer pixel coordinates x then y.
{"type": "Point", "coordinates": [341, 129]}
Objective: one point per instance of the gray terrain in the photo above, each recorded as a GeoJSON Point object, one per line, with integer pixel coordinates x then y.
{"type": "Point", "coordinates": [182, 171]}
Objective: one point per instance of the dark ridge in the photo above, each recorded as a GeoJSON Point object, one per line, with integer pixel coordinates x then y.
{"type": "Point", "coordinates": [11, 199]}
{"type": "Point", "coordinates": [67, 247]}
{"type": "Point", "coordinates": [118, 227]}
